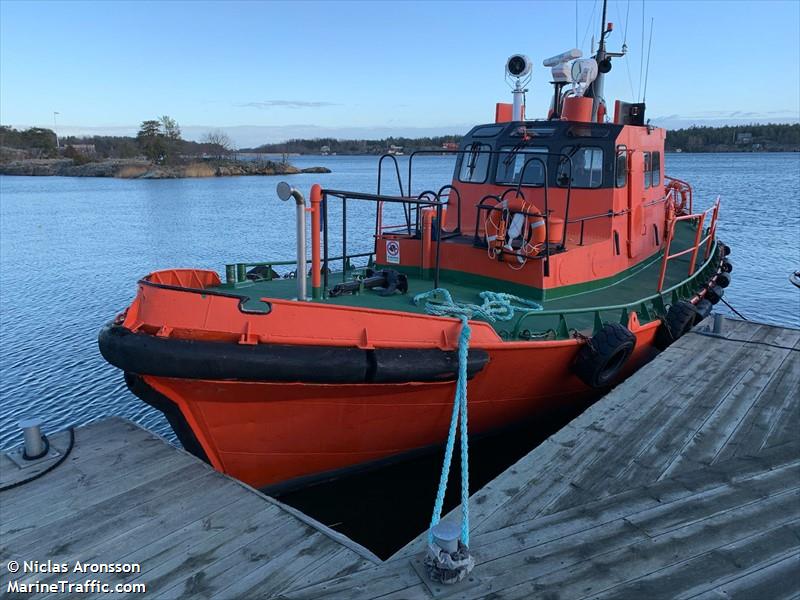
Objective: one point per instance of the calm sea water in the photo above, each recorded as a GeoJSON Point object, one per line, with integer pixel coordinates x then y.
{"type": "Point", "coordinates": [71, 250]}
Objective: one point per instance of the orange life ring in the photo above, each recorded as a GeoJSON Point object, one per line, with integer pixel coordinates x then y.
{"type": "Point", "coordinates": [498, 229]}
{"type": "Point", "coordinates": [680, 190]}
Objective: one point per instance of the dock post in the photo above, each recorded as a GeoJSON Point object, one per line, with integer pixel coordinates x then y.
{"type": "Point", "coordinates": [35, 446]}
{"type": "Point", "coordinates": [719, 322]}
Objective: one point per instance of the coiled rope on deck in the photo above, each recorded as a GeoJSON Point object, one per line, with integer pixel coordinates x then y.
{"type": "Point", "coordinates": [495, 307]}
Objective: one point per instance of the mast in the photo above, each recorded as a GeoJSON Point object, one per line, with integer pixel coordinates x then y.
{"type": "Point", "coordinates": [600, 57]}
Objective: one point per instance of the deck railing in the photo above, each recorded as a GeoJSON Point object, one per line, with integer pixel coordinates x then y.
{"type": "Point", "coordinates": [700, 219]}
{"type": "Point", "coordinates": [237, 272]}
{"type": "Point", "coordinates": [426, 199]}
{"type": "Point", "coordinates": [647, 309]}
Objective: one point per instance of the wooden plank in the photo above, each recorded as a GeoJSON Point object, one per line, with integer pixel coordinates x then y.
{"type": "Point", "coordinates": [699, 399]}
{"type": "Point", "coordinates": [703, 447]}
{"type": "Point", "coordinates": [190, 518]}
{"type": "Point", "coordinates": [712, 570]}
{"type": "Point", "coordinates": [594, 570]}
{"type": "Point", "coordinates": [340, 566]}
{"type": "Point", "coordinates": [272, 574]}
{"type": "Point", "coordinates": [675, 493]}
{"type": "Point", "coordinates": [42, 513]}
{"type": "Point", "coordinates": [777, 580]}
{"type": "Point", "coordinates": [165, 560]}
{"type": "Point", "coordinates": [782, 391]}
{"type": "Point", "coordinates": [787, 423]}
{"type": "Point", "coordinates": [660, 520]}
{"type": "Point", "coordinates": [118, 513]}
{"type": "Point", "coordinates": [729, 470]}
{"type": "Point", "coordinates": [85, 469]}
{"type": "Point", "coordinates": [219, 562]}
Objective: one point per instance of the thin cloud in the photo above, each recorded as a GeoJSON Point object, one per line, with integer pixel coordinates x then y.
{"type": "Point", "coordinates": [287, 104]}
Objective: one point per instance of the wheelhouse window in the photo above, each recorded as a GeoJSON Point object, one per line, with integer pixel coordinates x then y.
{"type": "Point", "coordinates": [487, 130]}
{"type": "Point", "coordinates": [475, 163]}
{"type": "Point", "coordinates": [587, 167]}
{"type": "Point", "coordinates": [511, 162]}
{"type": "Point", "coordinates": [621, 167]}
{"type": "Point", "coordinates": [655, 169]}
{"type": "Point", "coordinates": [648, 175]}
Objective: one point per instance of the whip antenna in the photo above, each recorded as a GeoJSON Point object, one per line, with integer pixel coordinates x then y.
{"type": "Point", "coordinates": [641, 59]}
{"type": "Point", "coordinates": [647, 71]}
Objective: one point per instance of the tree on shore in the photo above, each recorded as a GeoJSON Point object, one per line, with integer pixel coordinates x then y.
{"type": "Point", "coordinates": [160, 139]}
{"type": "Point", "coordinates": [38, 141]}
{"type": "Point", "coordinates": [172, 130]}
{"type": "Point", "coordinates": [151, 141]}
{"type": "Point", "coordinates": [219, 144]}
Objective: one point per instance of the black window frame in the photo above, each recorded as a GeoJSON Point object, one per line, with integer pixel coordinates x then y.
{"type": "Point", "coordinates": [621, 151]}
{"type": "Point", "coordinates": [506, 150]}
{"type": "Point", "coordinates": [466, 156]}
{"type": "Point", "coordinates": [564, 164]}
{"type": "Point", "coordinates": [655, 169]}
{"type": "Point", "coordinates": [648, 178]}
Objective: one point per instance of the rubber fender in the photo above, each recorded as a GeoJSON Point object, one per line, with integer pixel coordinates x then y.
{"type": "Point", "coordinates": [600, 360]}
{"type": "Point", "coordinates": [714, 293]}
{"type": "Point", "coordinates": [726, 250]}
{"type": "Point", "coordinates": [726, 265]}
{"type": "Point", "coordinates": [723, 280]}
{"type": "Point", "coordinates": [703, 308]}
{"type": "Point", "coordinates": [679, 319]}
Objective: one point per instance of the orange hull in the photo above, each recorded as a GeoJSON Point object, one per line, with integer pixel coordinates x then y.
{"type": "Point", "coordinates": [268, 433]}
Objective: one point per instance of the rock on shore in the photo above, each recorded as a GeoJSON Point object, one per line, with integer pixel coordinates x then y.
{"type": "Point", "coordinates": [141, 169]}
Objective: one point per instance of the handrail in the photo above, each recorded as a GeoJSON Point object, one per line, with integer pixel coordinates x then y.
{"type": "Point", "coordinates": [378, 211]}
{"type": "Point", "coordinates": [694, 249]}
{"type": "Point", "coordinates": [656, 300]}
{"type": "Point", "coordinates": [378, 198]}
{"type": "Point", "coordinates": [237, 272]}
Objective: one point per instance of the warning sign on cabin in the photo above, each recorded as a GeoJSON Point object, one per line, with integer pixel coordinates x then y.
{"type": "Point", "coordinates": [393, 252]}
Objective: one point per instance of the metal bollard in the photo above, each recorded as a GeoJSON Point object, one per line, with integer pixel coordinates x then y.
{"type": "Point", "coordinates": [719, 322]}
{"type": "Point", "coordinates": [32, 432]}
{"type": "Point", "coordinates": [445, 535]}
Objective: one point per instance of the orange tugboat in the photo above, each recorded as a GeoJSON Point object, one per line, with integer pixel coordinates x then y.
{"type": "Point", "coordinates": [575, 257]}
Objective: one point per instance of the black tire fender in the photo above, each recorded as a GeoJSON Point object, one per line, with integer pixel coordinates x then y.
{"type": "Point", "coordinates": [703, 309]}
{"type": "Point", "coordinates": [679, 319]}
{"type": "Point", "coordinates": [600, 360]}
{"type": "Point", "coordinates": [714, 293]}
{"type": "Point", "coordinates": [723, 280]}
{"type": "Point", "coordinates": [727, 265]}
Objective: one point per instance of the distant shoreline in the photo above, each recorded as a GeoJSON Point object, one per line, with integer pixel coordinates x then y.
{"type": "Point", "coordinates": [141, 169]}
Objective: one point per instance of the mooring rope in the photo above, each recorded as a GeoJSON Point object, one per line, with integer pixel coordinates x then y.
{"type": "Point", "coordinates": [459, 410]}
{"type": "Point", "coordinates": [740, 315]}
{"type": "Point", "coordinates": [496, 306]}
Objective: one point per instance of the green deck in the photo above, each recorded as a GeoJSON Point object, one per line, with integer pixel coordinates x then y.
{"type": "Point", "coordinates": [582, 307]}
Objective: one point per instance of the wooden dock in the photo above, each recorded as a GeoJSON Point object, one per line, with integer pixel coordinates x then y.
{"type": "Point", "coordinates": [683, 482]}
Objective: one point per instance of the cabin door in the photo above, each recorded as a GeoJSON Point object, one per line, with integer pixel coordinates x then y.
{"type": "Point", "coordinates": [635, 241]}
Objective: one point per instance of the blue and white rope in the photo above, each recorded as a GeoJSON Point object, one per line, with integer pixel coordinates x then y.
{"type": "Point", "coordinates": [496, 306]}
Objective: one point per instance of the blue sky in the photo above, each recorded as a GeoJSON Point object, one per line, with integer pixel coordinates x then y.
{"type": "Point", "coordinates": [271, 70]}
